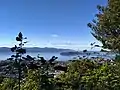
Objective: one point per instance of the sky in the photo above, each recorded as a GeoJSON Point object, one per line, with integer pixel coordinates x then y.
{"type": "Point", "coordinates": [48, 23]}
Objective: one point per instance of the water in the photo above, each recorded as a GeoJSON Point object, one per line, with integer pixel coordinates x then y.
{"type": "Point", "coordinates": [48, 55]}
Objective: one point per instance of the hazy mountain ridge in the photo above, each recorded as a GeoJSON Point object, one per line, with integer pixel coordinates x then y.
{"type": "Point", "coordinates": [37, 49]}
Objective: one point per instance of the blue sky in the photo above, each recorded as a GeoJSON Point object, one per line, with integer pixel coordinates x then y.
{"type": "Point", "coordinates": [48, 23]}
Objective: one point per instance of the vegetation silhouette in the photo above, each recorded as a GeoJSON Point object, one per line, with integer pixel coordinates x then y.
{"type": "Point", "coordinates": [83, 73]}
{"type": "Point", "coordinates": [106, 25]}
{"type": "Point", "coordinates": [19, 51]}
{"type": "Point", "coordinates": [23, 64]}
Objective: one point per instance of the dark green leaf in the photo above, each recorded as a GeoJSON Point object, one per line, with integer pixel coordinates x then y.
{"type": "Point", "coordinates": [18, 39]}
{"type": "Point", "coordinates": [20, 35]}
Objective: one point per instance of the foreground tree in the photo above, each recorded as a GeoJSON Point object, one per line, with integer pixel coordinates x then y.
{"type": "Point", "coordinates": [71, 80]}
{"type": "Point", "coordinates": [19, 51]}
{"type": "Point", "coordinates": [106, 26]}
{"type": "Point", "coordinates": [106, 77]}
{"type": "Point", "coordinates": [32, 72]}
{"type": "Point", "coordinates": [89, 75]}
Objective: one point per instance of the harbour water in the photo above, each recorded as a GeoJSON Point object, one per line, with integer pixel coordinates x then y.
{"type": "Point", "coordinates": [48, 55]}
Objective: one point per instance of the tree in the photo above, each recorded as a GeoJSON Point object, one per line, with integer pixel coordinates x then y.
{"type": "Point", "coordinates": [39, 75]}
{"type": "Point", "coordinates": [106, 26]}
{"type": "Point", "coordinates": [71, 80]}
{"type": "Point", "coordinates": [19, 51]}
{"type": "Point", "coordinates": [30, 73]}
{"type": "Point", "coordinates": [106, 77]}
{"type": "Point", "coordinates": [39, 70]}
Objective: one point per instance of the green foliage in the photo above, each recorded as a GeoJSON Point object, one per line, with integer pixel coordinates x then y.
{"type": "Point", "coordinates": [106, 77]}
{"type": "Point", "coordinates": [8, 84]}
{"type": "Point", "coordinates": [40, 78]}
{"type": "Point", "coordinates": [1, 79]}
{"type": "Point", "coordinates": [106, 26]}
{"type": "Point", "coordinates": [71, 80]}
{"type": "Point", "coordinates": [46, 71]}
{"type": "Point", "coordinates": [117, 58]}
{"type": "Point", "coordinates": [89, 75]}
{"type": "Point", "coordinates": [31, 81]}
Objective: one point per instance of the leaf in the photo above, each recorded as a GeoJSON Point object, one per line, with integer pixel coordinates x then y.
{"type": "Point", "coordinates": [15, 46]}
{"type": "Point", "coordinates": [25, 42]}
{"type": "Point", "coordinates": [56, 57]}
{"type": "Point", "coordinates": [53, 59]}
{"type": "Point", "coordinates": [25, 38]}
{"type": "Point", "coordinates": [89, 25]}
{"type": "Point", "coordinates": [13, 56]}
{"type": "Point", "coordinates": [20, 44]}
{"type": "Point", "coordinates": [94, 21]}
{"type": "Point", "coordinates": [29, 57]}
{"type": "Point", "coordinates": [20, 35]}
{"type": "Point", "coordinates": [10, 59]}
{"type": "Point", "coordinates": [97, 45]}
{"type": "Point", "coordinates": [13, 49]}
{"type": "Point", "coordinates": [84, 51]}
{"type": "Point", "coordinates": [92, 44]}
{"type": "Point", "coordinates": [18, 39]}
{"type": "Point", "coordinates": [43, 61]}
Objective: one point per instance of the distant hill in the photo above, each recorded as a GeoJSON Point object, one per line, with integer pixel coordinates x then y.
{"type": "Point", "coordinates": [37, 49]}
{"type": "Point", "coordinates": [4, 49]}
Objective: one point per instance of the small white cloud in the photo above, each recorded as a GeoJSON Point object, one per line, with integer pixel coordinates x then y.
{"type": "Point", "coordinates": [54, 35]}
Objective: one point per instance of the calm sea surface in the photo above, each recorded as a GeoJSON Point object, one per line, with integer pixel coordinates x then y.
{"type": "Point", "coordinates": [48, 55]}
